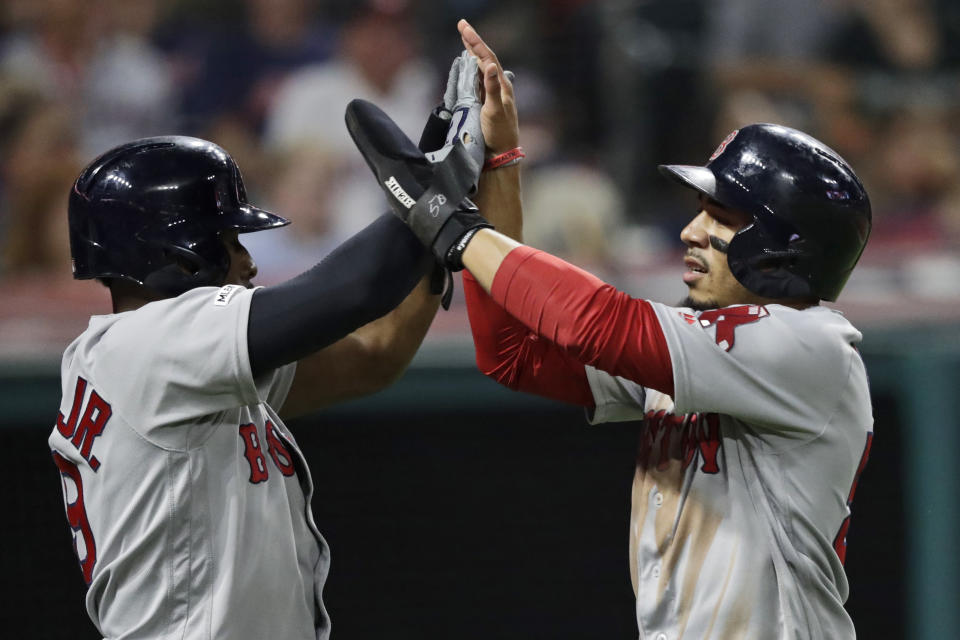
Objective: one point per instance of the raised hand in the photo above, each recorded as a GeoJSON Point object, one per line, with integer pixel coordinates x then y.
{"type": "Point", "coordinates": [498, 117]}
{"type": "Point", "coordinates": [461, 101]}
{"type": "Point", "coordinates": [429, 198]}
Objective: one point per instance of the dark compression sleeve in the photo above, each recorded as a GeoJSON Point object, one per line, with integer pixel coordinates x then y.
{"type": "Point", "coordinates": [359, 281]}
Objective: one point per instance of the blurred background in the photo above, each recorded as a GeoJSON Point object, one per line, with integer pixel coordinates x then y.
{"type": "Point", "coordinates": [455, 508]}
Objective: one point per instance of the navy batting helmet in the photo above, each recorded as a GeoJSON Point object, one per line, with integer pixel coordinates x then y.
{"type": "Point", "coordinates": [151, 211]}
{"type": "Point", "coordinates": [811, 215]}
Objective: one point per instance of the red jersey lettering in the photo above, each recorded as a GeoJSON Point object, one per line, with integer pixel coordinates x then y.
{"type": "Point", "coordinates": [278, 450]}
{"type": "Point", "coordinates": [254, 453]}
{"type": "Point", "coordinates": [84, 430]}
{"type": "Point", "coordinates": [840, 541]}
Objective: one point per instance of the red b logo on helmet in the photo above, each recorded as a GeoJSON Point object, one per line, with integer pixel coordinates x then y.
{"type": "Point", "coordinates": [723, 145]}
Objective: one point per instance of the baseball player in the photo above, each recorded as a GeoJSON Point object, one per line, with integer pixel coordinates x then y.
{"type": "Point", "coordinates": [187, 496]}
{"type": "Point", "coordinates": [755, 405]}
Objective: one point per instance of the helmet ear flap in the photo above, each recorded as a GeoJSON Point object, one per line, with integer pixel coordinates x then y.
{"type": "Point", "coordinates": [769, 259]}
{"type": "Point", "coordinates": [186, 269]}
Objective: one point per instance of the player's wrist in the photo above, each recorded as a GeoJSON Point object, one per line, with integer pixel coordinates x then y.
{"type": "Point", "coordinates": [496, 147]}
{"type": "Point", "coordinates": [500, 139]}
{"type": "Point", "coordinates": [508, 158]}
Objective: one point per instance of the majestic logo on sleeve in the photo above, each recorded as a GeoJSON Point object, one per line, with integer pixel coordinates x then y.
{"type": "Point", "coordinates": [727, 320]}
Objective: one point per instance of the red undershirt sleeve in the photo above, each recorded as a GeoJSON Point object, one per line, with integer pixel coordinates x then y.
{"type": "Point", "coordinates": [588, 320]}
{"type": "Point", "coordinates": [514, 356]}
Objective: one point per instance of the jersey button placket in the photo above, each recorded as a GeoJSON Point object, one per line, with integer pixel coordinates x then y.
{"type": "Point", "coordinates": [649, 568]}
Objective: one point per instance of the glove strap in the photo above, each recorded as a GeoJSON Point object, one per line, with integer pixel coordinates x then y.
{"type": "Point", "coordinates": [435, 130]}
{"type": "Point", "coordinates": [452, 180]}
{"type": "Point", "coordinates": [441, 284]}
{"type": "Point", "coordinates": [448, 290]}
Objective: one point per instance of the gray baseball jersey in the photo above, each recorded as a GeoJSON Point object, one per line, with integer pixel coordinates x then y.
{"type": "Point", "coordinates": [187, 497]}
{"type": "Point", "coordinates": [741, 495]}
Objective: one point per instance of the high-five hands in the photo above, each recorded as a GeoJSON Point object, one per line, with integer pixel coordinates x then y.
{"type": "Point", "coordinates": [430, 198]}
{"type": "Point", "coordinates": [461, 107]}
{"type": "Point", "coordinates": [498, 117]}
{"type": "Point", "coordinates": [428, 187]}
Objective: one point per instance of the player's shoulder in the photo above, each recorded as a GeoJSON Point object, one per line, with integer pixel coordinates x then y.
{"type": "Point", "coordinates": [816, 323]}
{"type": "Point", "coordinates": [192, 301]}
{"type": "Point", "coordinates": [744, 360]}
{"type": "Point", "coordinates": [83, 346]}
{"type": "Point", "coordinates": [764, 330]}
{"type": "Point", "coordinates": [158, 319]}
{"type": "Point", "coordinates": [815, 336]}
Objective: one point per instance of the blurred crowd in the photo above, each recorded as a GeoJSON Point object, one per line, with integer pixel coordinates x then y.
{"type": "Point", "coordinates": [606, 90]}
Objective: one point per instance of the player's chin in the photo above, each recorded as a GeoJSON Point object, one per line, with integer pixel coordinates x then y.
{"type": "Point", "coordinates": [699, 303]}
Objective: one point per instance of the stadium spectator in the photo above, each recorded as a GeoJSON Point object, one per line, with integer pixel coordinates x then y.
{"type": "Point", "coordinates": [101, 63]}
{"type": "Point", "coordinates": [275, 38]}
{"type": "Point", "coordinates": [38, 163]}
{"type": "Point", "coordinates": [376, 60]}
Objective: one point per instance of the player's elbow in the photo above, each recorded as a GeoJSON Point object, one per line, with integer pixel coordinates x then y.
{"type": "Point", "coordinates": [502, 372]}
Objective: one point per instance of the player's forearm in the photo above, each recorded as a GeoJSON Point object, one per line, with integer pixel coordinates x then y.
{"type": "Point", "coordinates": [484, 255]}
{"type": "Point", "coordinates": [506, 353]}
{"type": "Point", "coordinates": [361, 280]}
{"type": "Point", "coordinates": [366, 360]}
{"type": "Point", "coordinates": [393, 340]}
{"type": "Point", "coordinates": [498, 198]}
{"type": "Point", "coordinates": [587, 318]}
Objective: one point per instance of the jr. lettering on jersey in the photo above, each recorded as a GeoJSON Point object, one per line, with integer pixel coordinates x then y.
{"type": "Point", "coordinates": [83, 429]}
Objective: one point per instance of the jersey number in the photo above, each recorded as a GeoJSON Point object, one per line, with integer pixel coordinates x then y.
{"type": "Point", "coordinates": [77, 515]}
{"type": "Point", "coordinates": [840, 542]}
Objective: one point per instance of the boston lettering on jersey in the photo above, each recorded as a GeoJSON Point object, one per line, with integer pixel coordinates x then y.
{"type": "Point", "coordinates": [276, 447]}
{"type": "Point", "coordinates": [684, 437]}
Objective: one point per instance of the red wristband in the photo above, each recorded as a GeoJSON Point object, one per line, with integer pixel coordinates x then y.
{"type": "Point", "coordinates": [504, 159]}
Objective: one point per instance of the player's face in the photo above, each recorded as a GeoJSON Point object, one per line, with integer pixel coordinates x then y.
{"type": "Point", "coordinates": [242, 267]}
{"type": "Point", "coordinates": [709, 280]}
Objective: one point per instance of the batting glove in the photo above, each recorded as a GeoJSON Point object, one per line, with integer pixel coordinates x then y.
{"type": "Point", "coordinates": [430, 198]}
